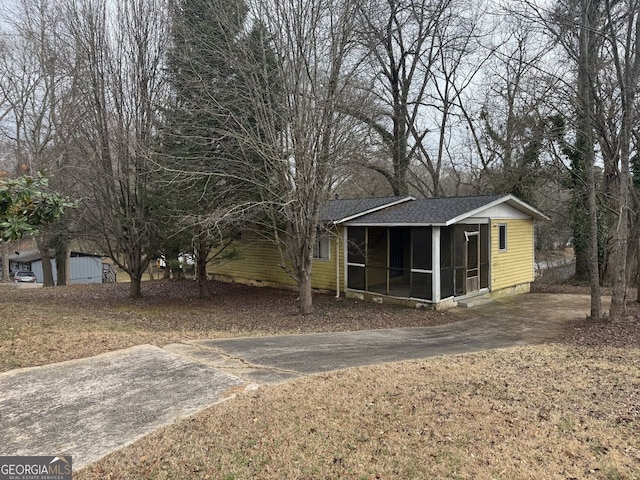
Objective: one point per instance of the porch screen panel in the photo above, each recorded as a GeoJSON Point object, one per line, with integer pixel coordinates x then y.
{"type": "Point", "coordinates": [421, 248]}
{"type": "Point", "coordinates": [484, 256]}
{"type": "Point", "coordinates": [356, 245]}
{"type": "Point", "coordinates": [356, 277]}
{"type": "Point", "coordinates": [459, 259]}
{"type": "Point", "coordinates": [446, 262]}
{"type": "Point", "coordinates": [377, 259]}
{"type": "Point", "coordinates": [421, 285]}
{"type": "Point", "coordinates": [472, 256]}
{"type": "Point", "coordinates": [356, 255]}
{"type": "Point", "coordinates": [397, 260]}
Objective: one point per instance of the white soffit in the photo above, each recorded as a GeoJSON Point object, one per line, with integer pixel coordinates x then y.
{"type": "Point", "coordinates": [504, 211]}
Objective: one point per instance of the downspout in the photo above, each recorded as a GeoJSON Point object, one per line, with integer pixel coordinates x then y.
{"type": "Point", "coordinates": [338, 264]}
{"type": "Point", "coordinates": [435, 265]}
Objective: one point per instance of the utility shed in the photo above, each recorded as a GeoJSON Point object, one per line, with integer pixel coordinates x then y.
{"type": "Point", "coordinates": [84, 268]}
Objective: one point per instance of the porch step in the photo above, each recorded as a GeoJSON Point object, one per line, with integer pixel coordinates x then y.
{"type": "Point", "coordinates": [474, 302]}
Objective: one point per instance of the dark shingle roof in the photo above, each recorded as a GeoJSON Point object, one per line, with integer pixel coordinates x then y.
{"type": "Point", "coordinates": [339, 210]}
{"type": "Point", "coordinates": [26, 256]}
{"type": "Point", "coordinates": [409, 211]}
{"type": "Point", "coordinates": [428, 211]}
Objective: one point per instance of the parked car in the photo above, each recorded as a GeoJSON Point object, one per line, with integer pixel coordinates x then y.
{"type": "Point", "coordinates": [25, 277]}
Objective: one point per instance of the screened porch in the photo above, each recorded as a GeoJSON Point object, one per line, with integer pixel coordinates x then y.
{"type": "Point", "coordinates": [399, 261]}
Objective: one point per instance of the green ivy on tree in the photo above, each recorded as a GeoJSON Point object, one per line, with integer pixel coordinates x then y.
{"type": "Point", "coordinates": [26, 205]}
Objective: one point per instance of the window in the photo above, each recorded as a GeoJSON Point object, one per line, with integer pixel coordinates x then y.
{"type": "Point", "coordinates": [321, 248]}
{"type": "Point", "coordinates": [502, 237]}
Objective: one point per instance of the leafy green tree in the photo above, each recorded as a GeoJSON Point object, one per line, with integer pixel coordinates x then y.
{"type": "Point", "coordinates": [26, 205]}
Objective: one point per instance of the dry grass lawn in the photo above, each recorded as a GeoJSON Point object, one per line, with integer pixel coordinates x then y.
{"type": "Point", "coordinates": [542, 412]}
{"type": "Point", "coordinates": [566, 410]}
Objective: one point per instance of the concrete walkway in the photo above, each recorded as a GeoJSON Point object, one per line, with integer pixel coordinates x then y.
{"type": "Point", "coordinates": [90, 407]}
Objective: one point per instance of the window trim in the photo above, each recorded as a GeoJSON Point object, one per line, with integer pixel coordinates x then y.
{"type": "Point", "coordinates": [502, 227]}
{"type": "Point", "coordinates": [317, 248]}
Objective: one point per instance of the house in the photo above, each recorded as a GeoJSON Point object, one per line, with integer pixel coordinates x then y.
{"type": "Point", "coordinates": [435, 251]}
{"type": "Point", "coordinates": [83, 267]}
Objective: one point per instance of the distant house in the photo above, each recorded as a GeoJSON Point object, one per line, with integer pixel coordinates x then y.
{"type": "Point", "coordinates": [84, 267]}
{"type": "Point", "coordinates": [437, 251]}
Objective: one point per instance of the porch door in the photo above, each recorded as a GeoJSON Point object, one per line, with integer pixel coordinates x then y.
{"type": "Point", "coordinates": [473, 261]}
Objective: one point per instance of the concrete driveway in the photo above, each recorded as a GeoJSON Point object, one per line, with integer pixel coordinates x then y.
{"type": "Point", "coordinates": [90, 407]}
{"type": "Point", "coordinates": [506, 322]}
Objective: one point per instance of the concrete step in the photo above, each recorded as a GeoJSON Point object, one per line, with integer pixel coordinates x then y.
{"type": "Point", "coordinates": [474, 302]}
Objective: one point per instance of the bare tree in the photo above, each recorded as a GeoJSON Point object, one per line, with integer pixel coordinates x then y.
{"type": "Point", "coordinates": [419, 58]}
{"type": "Point", "coordinates": [290, 71]}
{"type": "Point", "coordinates": [307, 137]}
{"type": "Point", "coordinates": [608, 72]}
{"type": "Point", "coordinates": [576, 27]}
{"type": "Point", "coordinates": [513, 122]}
{"type": "Point", "coordinates": [587, 70]}
{"type": "Point", "coordinates": [623, 21]}
{"type": "Point", "coordinates": [119, 50]}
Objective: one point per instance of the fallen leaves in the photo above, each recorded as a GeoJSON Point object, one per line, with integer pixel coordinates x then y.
{"type": "Point", "coordinates": [49, 325]}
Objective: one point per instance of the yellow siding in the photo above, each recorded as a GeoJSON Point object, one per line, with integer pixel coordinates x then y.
{"type": "Point", "coordinates": [323, 275]}
{"type": "Point", "coordinates": [515, 265]}
{"type": "Point", "coordinates": [259, 260]}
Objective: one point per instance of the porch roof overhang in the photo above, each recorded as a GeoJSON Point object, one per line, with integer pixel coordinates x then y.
{"type": "Point", "coordinates": [441, 212]}
{"type": "Point", "coordinates": [341, 211]}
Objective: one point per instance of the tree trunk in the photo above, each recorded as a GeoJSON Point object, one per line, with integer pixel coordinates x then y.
{"type": "Point", "coordinates": [400, 162]}
{"type": "Point", "coordinates": [6, 263]}
{"type": "Point", "coordinates": [628, 74]}
{"type": "Point", "coordinates": [619, 293]}
{"type": "Point", "coordinates": [135, 290]}
{"type": "Point", "coordinates": [637, 271]}
{"type": "Point", "coordinates": [305, 294]}
{"type": "Point", "coordinates": [581, 230]}
{"type": "Point", "coordinates": [137, 265]}
{"type": "Point", "coordinates": [177, 272]}
{"type": "Point", "coordinates": [594, 271]}
{"type": "Point", "coordinates": [63, 267]}
{"type": "Point", "coordinates": [45, 256]}
{"type": "Point", "coordinates": [582, 264]}
{"type": "Point", "coordinates": [585, 141]}
{"type": "Point", "coordinates": [202, 252]}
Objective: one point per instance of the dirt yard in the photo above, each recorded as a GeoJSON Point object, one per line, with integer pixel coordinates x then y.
{"type": "Point", "coordinates": [565, 410]}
